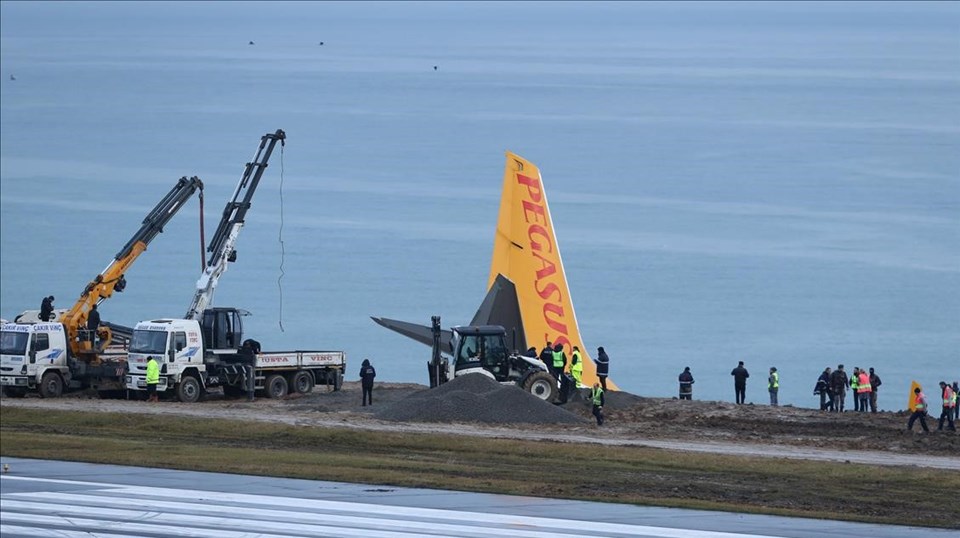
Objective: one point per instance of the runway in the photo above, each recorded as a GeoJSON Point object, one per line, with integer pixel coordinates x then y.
{"type": "Point", "coordinates": [54, 498]}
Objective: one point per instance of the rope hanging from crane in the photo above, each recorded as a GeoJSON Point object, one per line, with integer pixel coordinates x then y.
{"type": "Point", "coordinates": [280, 238]}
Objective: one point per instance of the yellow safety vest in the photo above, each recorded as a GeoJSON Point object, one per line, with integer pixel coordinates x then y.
{"type": "Point", "coordinates": [597, 395]}
{"type": "Point", "coordinates": [576, 367]}
{"type": "Point", "coordinates": [153, 372]}
{"type": "Point", "coordinates": [558, 359]}
{"type": "Point", "coordinates": [776, 381]}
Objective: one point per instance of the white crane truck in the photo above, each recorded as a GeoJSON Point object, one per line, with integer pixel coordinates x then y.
{"type": "Point", "coordinates": [53, 355]}
{"type": "Point", "coordinates": [206, 349]}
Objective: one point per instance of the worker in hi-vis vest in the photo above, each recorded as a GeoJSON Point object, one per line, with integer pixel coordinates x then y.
{"type": "Point", "coordinates": [153, 378]}
{"type": "Point", "coordinates": [576, 366]}
{"type": "Point", "coordinates": [920, 411]}
{"type": "Point", "coordinates": [596, 397]}
{"type": "Point", "coordinates": [773, 385]}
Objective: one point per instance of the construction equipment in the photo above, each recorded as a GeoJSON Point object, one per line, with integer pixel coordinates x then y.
{"type": "Point", "coordinates": [206, 349]}
{"type": "Point", "coordinates": [222, 245]}
{"type": "Point", "coordinates": [482, 349]}
{"type": "Point", "coordinates": [50, 356]}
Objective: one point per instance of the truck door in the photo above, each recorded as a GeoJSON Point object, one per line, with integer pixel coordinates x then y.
{"type": "Point", "coordinates": [178, 345]}
{"type": "Point", "coordinates": [39, 343]}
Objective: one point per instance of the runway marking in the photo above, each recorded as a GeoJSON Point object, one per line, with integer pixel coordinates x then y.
{"type": "Point", "coordinates": [146, 510]}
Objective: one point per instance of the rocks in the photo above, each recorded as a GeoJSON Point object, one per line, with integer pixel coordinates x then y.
{"type": "Point", "coordinates": [476, 398]}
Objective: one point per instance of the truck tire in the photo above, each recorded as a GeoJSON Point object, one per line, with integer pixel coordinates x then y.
{"type": "Point", "coordinates": [188, 390]}
{"type": "Point", "coordinates": [51, 385]}
{"type": "Point", "coordinates": [542, 385]}
{"type": "Point", "coordinates": [302, 382]}
{"type": "Point", "coordinates": [276, 386]}
{"type": "Point", "coordinates": [337, 380]}
{"type": "Point", "coordinates": [14, 392]}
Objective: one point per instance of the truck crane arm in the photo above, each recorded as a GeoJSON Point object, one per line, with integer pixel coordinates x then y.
{"type": "Point", "coordinates": [111, 279]}
{"type": "Point", "coordinates": [222, 244]}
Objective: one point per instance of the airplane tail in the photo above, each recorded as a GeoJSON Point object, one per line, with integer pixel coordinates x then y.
{"type": "Point", "coordinates": [527, 293]}
{"type": "Point", "coordinates": [526, 251]}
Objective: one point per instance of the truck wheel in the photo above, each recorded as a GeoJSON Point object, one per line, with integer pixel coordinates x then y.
{"type": "Point", "coordinates": [542, 385]}
{"type": "Point", "coordinates": [337, 380]}
{"type": "Point", "coordinates": [14, 392]}
{"type": "Point", "coordinates": [303, 382]}
{"type": "Point", "coordinates": [51, 385]}
{"type": "Point", "coordinates": [188, 391]}
{"type": "Point", "coordinates": [276, 386]}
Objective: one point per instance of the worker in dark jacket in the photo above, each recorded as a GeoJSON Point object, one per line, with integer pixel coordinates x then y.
{"type": "Point", "coordinates": [686, 384]}
{"type": "Point", "coordinates": [839, 383]}
{"type": "Point", "coordinates": [603, 366]}
{"type": "Point", "coordinates": [546, 356]}
{"type": "Point", "coordinates": [559, 365]}
{"type": "Point", "coordinates": [874, 385]}
{"type": "Point", "coordinates": [822, 388]}
{"type": "Point", "coordinates": [46, 308]}
{"type": "Point", "coordinates": [740, 375]}
{"type": "Point", "coordinates": [93, 323]}
{"type": "Point", "coordinates": [367, 374]}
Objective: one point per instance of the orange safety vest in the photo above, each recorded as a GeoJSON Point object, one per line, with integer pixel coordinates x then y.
{"type": "Point", "coordinates": [864, 383]}
{"type": "Point", "coordinates": [921, 402]}
{"type": "Point", "coordinates": [949, 397]}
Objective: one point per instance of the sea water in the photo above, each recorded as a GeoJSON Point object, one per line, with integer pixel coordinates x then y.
{"type": "Point", "coordinates": [776, 183]}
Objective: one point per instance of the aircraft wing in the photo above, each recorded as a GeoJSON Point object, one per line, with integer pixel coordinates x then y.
{"type": "Point", "coordinates": [420, 333]}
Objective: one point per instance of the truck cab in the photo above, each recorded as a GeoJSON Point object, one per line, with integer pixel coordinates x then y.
{"type": "Point", "coordinates": [177, 346]}
{"type": "Point", "coordinates": [33, 356]}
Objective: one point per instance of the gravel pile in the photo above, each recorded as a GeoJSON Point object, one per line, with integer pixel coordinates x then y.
{"type": "Point", "coordinates": [476, 398]}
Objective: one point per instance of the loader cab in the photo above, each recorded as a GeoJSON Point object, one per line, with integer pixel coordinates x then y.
{"type": "Point", "coordinates": [481, 347]}
{"type": "Point", "coordinates": [223, 328]}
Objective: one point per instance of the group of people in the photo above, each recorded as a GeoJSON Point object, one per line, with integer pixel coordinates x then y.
{"type": "Point", "coordinates": [832, 387]}
{"type": "Point", "coordinates": [949, 413]}
{"type": "Point", "coordinates": [553, 356]}
{"type": "Point", "coordinates": [740, 375]}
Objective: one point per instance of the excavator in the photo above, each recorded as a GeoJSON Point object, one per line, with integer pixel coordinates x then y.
{"type": "Point", "coordinates": [59, 353]}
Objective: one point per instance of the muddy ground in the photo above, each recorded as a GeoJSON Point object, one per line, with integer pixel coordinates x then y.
{"type": "Point", "coordinates": [720, 427]}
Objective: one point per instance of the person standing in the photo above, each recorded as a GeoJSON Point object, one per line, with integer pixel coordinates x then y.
{"type": "Point", "coordinates": [822, 388]}
{"type": "Point", "coordinates": [93, 323]}
{"type": "Point", "coordinates": [773, 385]}
{"type": "Point", "coordinates": [949, 403]}
{"type": "Point", "coordinates": [576, 367]}
{"type": "Point", "coordinates": [740, 375]}
{"type": "Point", "coordinates": [559, 365]}
{"type": "Point", "coordinates": [546, 356]}
{"type": "Point", "coordinates": [46, 308]}
{"type": "Point", "coordinates": [874, 385]}
{"type": "Point", "coordinates": [603, 367]}
{"type": "Point", "coordinates": [838, 384]}
{"type": "Point", "coordinates": [153, 379]}
{"type": "Point", "coordinates": [854, 388]}
{"type": "Point", "coordinates": [920, 411]}
{"type": "Point", "coordinates": [686, 384]}
{"type": "Point", "coordinates": [956, 408]}
{"type": "Point", "coordinates": [367, 374]}
{"type": "Point", "coordinates": [596, 396]}
{"type": "Point", "coordinates": [864, 390]}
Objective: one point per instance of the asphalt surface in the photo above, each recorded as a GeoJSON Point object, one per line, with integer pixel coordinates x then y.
{"type": "Point", "coordinates": [55, 498]}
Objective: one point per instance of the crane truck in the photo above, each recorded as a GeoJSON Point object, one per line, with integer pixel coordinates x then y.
{"type": "Point", "coordinates": [49, 356]}
{"type": "Point", "coordinates": [206, 348]}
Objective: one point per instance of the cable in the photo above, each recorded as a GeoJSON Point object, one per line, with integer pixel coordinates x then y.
{"type": "Point", "coordinates": [280, 239]}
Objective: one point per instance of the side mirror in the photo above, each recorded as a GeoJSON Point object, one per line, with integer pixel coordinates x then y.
{"type": "Point", "coordinates": [33, 356]}
{"type": "Point", "coordinates": [172, 355]}
{"type": "Point", "coordinates": [179, 347]}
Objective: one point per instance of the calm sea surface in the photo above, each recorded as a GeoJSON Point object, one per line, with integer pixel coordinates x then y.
{"type": "Point", "coordinates": [776, 183]}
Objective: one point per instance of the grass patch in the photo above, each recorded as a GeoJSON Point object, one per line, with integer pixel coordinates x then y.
{"type": "Point", "coordinates": [634, 475]}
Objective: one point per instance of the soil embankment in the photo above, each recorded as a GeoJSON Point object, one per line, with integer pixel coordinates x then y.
{"type": "Point", "coordinates": [476, 406]}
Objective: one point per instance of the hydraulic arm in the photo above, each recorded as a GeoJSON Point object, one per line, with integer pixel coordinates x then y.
{"type": "Point", "coordinates": [112, 279]}
{"type": "Point", "coordinates": [222, 244]}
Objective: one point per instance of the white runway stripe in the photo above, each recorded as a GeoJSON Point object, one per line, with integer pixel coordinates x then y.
{"type": "Point", "coordinates": [157, 511]}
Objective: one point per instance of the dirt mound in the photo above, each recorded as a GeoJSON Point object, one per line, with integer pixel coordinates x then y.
{"type": "Point", "coordinates": [476, 398]}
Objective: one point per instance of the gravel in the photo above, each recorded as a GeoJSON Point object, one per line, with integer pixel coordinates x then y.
{"type": "Point", "coordinates": [476, 398]}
